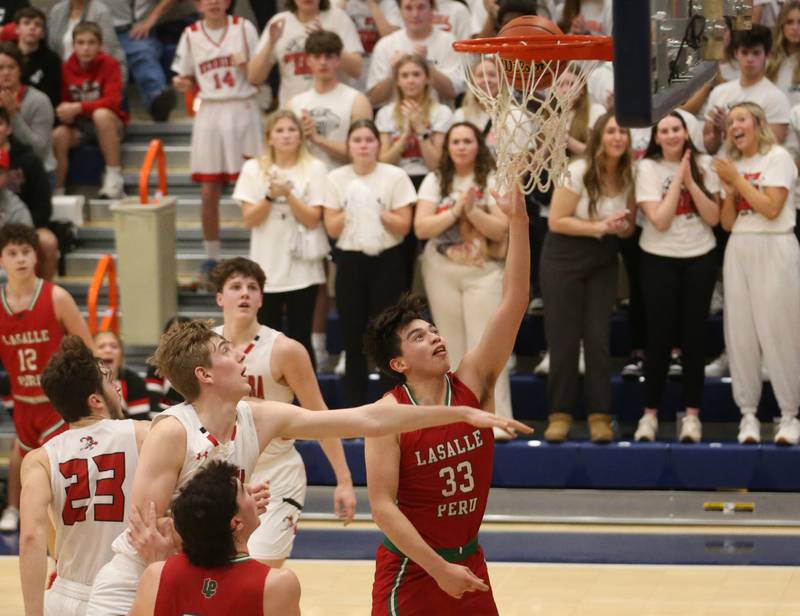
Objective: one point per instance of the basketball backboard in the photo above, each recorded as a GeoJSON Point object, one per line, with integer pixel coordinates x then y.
{"type": "Point", "coordinates": [664, 50]}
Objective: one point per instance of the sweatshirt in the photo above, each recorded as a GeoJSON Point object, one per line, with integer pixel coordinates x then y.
{"type": "Point", "coordinates": [12, 209]}
{"type": "Point", "coordinates": [28, 179]}
{"type": "Point", "coordinates": [97, 86]}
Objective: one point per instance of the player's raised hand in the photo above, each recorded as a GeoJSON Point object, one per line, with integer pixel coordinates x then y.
{"type": "Point", "coordinates": [511, 203]}
{"type": "Point", "coordinates": [455, 580]}
{"type": "Point", "coordinates": [260, 492]}
{"type": "Point", "coordinates": [152, 538]}
{"type": "Point", "coordinates": [276, 31]}
{"type": "Point", "coordinates": [344, 502]}
{"type": "Point", "coordinates": [482, 419]}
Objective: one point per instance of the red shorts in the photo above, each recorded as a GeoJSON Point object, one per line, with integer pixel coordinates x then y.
{"type": "Point", "coordinates": [36, 424]}
{"type": "Point", "coordinates": [403, 588]}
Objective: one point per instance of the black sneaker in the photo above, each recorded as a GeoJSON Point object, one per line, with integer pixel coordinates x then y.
{"type": "Point", "coordinates": [633, 368]}
{"type": "Point", "coordinates": [675, 367]}
{"type": "Point", "coordinates": [163, 104]}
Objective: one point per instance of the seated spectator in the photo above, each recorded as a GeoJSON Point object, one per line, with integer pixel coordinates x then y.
{"type": "Point", "coordinates": [29, 109]}
{"type": "Point", "coordinates": [66, 14]}
{"type": "Point", "coordinates": [281, 195]}
{"type": "Point", "coordinates": [678, 193]}
{"type": "Point", "coordinates": [328, 108]}
{"type": "Point", "coordinates": [135, 400]}
{"type": "Point", "coordinates": [162, 394]}
{"type": "Point", "coordinates": [29, 181]}
{"type": "Point", "coordinates": [91, 108]}
{"type": "Point", "coordinates": [417, 36]}
{"type": "Point", "coordinates": [579, 277]}
{"type": "Point", "coordinates": [467, 233]}
{"type": "Point", "coordinates": [12, 209]}
{"type": "Point", "coordinates": [368, 209]}
{"type": "Point", "coordinates": [783, 65]}
{"type": "Point", "coordinates": [373, 19]}
{"type": "Point", "coordinates": [751, 48]}
{"type": "Point", "coordinates": [214, 515]}
{"type": "Point", "coordinates": [413, 125]}
{"type": "Point", "coordinates": [284, 39]}
{"type": "Point", "coordinates": [41, 65]}
{"type": "Point", "coordinates": [762, 289]}
{"type": "Point", "coordinates": [134, 22]}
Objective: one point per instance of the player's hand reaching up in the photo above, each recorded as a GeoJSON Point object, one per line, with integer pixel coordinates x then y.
{"type": "Point", "coordinates": [512, 203]}
{"type": "Point", "coordinates": [153, 538]}
{"type": "Point", "coordinates": [455, 580]}
{"type": "Point", "coordinates": [481, 419]}
{"type": "Point", "coordinates": [260, 492]}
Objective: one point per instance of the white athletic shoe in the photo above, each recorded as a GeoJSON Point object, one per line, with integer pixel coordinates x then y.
{"type": "Point", "coordinates": [718, 367]}
{"type": "Point", "coordinates": [543, 367]}
{"type": "Point", "coordinates": [691, 429]}
{"type": "Point", "coordinates": [788, 431]}
{"type": "Point", "coordinates": [341, 365]}
{"type": "Point", "coordinates": [9, 521]}
{"type": "Point", "coordinates": [648, 427]}
{"type": "Point", "coordinates": [749, 429]}
{"type": "Point", "coordinates": [113, 185]}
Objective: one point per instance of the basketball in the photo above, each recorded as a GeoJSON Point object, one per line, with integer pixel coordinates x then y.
{"type": "Point", "coordinates": [530, 25]}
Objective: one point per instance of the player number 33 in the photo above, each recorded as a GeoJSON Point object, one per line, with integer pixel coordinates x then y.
{"type": "Point", "coordinates": [458, 479]}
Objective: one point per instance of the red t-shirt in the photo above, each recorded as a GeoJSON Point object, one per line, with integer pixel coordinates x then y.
{"type": "Point", "coordinates": [236, 588]}
{"type": "Point", "coordinates": [445, 473]}
{"type": "Point", "coordinates": [28, 339]}
{"type": "Point", "coordinates": [98, 85]}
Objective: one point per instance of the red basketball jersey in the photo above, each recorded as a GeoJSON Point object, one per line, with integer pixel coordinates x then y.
{"type": "Point", "coordinates": [28, 339]}
{"type": "Point", "coordinates": [445, 473]}
{"type": "Point", "coordinates": [236, 588]}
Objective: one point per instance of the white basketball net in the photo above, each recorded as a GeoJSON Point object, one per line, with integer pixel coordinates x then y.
{"type": "Point", "coordinates": [531, 123]}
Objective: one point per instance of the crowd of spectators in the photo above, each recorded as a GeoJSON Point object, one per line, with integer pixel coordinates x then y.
{"type": "Point", "coordinates": [371, 94]}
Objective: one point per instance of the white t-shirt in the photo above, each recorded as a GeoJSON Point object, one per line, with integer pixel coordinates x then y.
{"type": "Point", "coordinates": [207, 55]}
{"type": "Point", "coordinates": [765, 93]}
{"type": "Point", "coordinates": [440, 54]}
{"type": "Point", "coordinates": [270, 240]}
{"type": "Point", "coordinates": [411, 160]}
{"type": "Point", "coordinates": [775, 168]}
{"type": "Point", "coordinates": [597, 16]}
{"type": "Point", "coordinates": [688, 235]}
{"type": "Point", "coordinates": [600, 83]}
{"type": "Point", "coordinates": [792, 144]}
{"type": "Point", "coordinates": [387, 187]}
{"type": "Point", "coordinates": [331, 111]}
{"type": "Point", "coordinates": [289, 52]}
{"type": "Point", "coordinates": [605, 206]}
{"type": "Point", "coordinates": [785, 80]}
{"type": "Point", "coordinates": [453, 17]}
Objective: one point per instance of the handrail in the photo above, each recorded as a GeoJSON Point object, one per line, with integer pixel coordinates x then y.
{"type": "Point", "coordinates": [155, 152]}
{"type": "Point", "coordinates": [106, 267]}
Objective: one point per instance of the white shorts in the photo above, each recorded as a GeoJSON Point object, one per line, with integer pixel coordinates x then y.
{"type": "Point", "coordinates": [224, 135]}
{"type": "Point", "coordinates": [115, 586]}
{"type": "Point", "coordinates": [66, 598]}
{"type": "Point", "coordinates": [274, 538]}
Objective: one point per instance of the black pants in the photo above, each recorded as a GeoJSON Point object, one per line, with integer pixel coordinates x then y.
{"type": "Point", "coordinates": [677, 295]}
{"type": "Point", "coordinates": [299, 309]}
{"type": "Point", "coordinates": [632, 258]}
{"type": "Point", "coordinates": [579, 284]}
{"type": "Point", "coordinates": [365, 286]}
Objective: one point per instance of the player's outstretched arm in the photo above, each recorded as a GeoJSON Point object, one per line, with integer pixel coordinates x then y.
{"type": "Point", "coordinates": [69, 315]}
{"type": "Point", "coordinates": [35, 500]}
{"type": "Point", "coordinates": [383, 468]}
{"type": "Point", "coordinates": [145, 602]}
{"type": "Point", "coordinates": [275, 419]}
{"type": "Point", "coordinates": [482, 364]}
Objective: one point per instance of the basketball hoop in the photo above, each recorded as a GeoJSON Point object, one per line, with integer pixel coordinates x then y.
{"type": "Point", "coordinates": [529, 113]}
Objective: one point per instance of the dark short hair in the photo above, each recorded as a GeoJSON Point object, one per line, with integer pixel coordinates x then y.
{"type": "Point", "coordinates": [71, 376]}
{"type": "Point", "coordinates": [323, 42]}
{"type": "Point", "coordinates": [7, 48]}
{"type": "Point", "coordinates": [15, 233]}
{"type": "Point", "coordinates": [4, 117]}
{"type": "Point", "coordinates": [515, 7]}
{"type": "Point", "coordinates": [324, 5]}
{"type": "Point", "coordinates": [237, 266]}
{"type": "Point", "coordinates": [90, 27]}
{"type": "Point", "coordinates": [29, 12]}
{"type": "Point", "coordinates": [382, 339]}
{"type": "Point", "coordinates": [757, 36]}
{"type": "Point", "coordinates": [202, 513]}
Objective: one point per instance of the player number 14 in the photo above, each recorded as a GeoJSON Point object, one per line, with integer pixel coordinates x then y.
{"type": "Point", "coordinates": [227, 79]}
{"type": "Point", "coordinates": [458, 479]}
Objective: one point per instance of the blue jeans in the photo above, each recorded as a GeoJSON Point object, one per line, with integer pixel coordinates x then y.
{"type": "Point", "coordinates": [144, 65]}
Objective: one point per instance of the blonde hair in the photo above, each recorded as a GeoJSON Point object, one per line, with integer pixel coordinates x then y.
{"type": "Point", "coordinates": [780, 46]}
{"type": "Point", "coordinates": [266, 161]}
{"type": "Point", "coordinates": [470, 106]}
{"type": "Point", "coordinates": [181, 349]}
{"type": "Point", "coordinates": [763, 132]}
{"type": "Point", "coordinates": [579, 127]}
{"type": "Point", "coordinates": [597, 160]}
{"type": "Point", "coordinates": [427, 101]}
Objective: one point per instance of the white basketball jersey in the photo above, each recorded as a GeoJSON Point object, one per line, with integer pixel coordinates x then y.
{"type": "Point", "coordinates": [91, 478]}
{"type": "Point", "coordinates": [331, 113]}
{"type": "Point", "coordinates": [208, 55]}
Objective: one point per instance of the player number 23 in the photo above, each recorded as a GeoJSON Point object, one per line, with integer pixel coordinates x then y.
{"type": "Point", "coordinates": [457, 479]}
{"type": "Point", "coordinates": [81, 490]}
